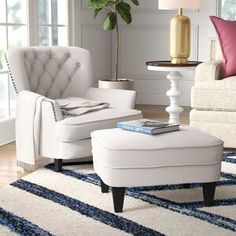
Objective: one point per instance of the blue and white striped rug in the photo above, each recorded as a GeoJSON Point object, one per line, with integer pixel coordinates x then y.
{"type": "Point", "coordinates": [71, 203]}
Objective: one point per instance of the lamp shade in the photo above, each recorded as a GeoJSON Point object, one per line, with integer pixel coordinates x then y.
{"type": "Point", "coordinates": [175, 4]}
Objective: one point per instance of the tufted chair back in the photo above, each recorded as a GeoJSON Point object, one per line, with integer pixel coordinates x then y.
{"type": "Point", "coordinates": [54, 72]}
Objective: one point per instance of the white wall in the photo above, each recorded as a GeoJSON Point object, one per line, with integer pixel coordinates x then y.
{"type": "Point", "coordinates": [7, 133]}
{"type": "Point", "coordinates": [94, 38]}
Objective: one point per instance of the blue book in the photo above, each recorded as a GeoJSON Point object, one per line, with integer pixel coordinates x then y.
{"type": "Point", "coordinates": [147, 126]}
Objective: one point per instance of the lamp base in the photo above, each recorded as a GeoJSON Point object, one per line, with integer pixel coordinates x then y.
{"type": "Point", "coordinates": [180, 39]}
{"type": "Point", "coordinates": [179, 61]}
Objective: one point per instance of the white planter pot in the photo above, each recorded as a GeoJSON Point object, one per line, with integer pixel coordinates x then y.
{"type": "Point", "coordinates": [120, 84]}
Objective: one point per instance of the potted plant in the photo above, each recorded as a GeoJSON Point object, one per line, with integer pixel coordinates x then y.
{"type": "Point", "coordinates": [115, 8]}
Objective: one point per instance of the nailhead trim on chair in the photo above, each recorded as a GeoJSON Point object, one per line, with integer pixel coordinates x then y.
{"type": "Point", "coordinates": [53, 108]}
{"type": "Point", "coordinates": [10, 74]}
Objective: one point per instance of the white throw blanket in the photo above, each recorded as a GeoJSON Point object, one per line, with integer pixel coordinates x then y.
{"type": "Point", "coordinates": [28, 116]}
{"type": "Point", "coordinates": [75, 106]}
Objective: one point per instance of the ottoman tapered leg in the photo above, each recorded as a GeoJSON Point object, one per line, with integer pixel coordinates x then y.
{"type": "Point", "coordinates": [58, 165]}
{"type": "Point", "coordinates": [118, 195]}
{"type": "Point", "coordinates": [208, 193]}
{"type": "Point", "coordinates": [104, 187]}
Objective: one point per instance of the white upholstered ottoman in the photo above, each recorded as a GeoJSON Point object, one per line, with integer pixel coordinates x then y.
{"type": "Point", "coordinates": [129, 159]}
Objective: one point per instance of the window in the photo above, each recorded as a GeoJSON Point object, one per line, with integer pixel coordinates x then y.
{"type": "Point", "coordinates": [52, 17]}
{"type": "Point", "coordinates": [50, 27]}
{"type": "Point", "coordinates": [13, 31]}
{"type": "Point", "coordinates": [228, 9]}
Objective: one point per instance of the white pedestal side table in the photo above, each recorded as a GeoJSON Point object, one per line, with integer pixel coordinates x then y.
{"type": "Point", "coordinates": [174, 109]}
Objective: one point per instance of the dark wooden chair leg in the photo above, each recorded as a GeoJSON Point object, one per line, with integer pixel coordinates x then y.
{"type": "Point", "coordinates": [58, 165]}
{"type": "Point", "coordinates": [208, 193]}
{"type": "Point", "coordinates": [118, 195]}
{"type": "Point", "coordinates": [104, 187]}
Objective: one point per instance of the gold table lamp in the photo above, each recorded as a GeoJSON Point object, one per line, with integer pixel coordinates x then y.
{"type": "Point", "coordinates": [180, 28]}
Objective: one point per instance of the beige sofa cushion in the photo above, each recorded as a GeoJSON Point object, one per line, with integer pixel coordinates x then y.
{"type": "Point", "coordinates": [215, 95]}
{"type": "Point", "coordinates": [221, 124]}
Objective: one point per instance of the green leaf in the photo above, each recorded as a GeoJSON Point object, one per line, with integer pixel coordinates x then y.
{"type": "Point", "coordinates": [123, 6]}
{"type": "Point", "coordinates": [97, 4]}
{"type": "Point", "coordinates": [124, 11]}
{"type": "Point", "coordinates": [135, 2]}
{"type": "Point", "coordinates": [110, 21]}
{"type": "Point", "coordinates": [96, 11]}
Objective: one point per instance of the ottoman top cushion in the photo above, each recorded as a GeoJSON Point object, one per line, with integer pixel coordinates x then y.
{"type": "Point", "coordinates": [186, 137]}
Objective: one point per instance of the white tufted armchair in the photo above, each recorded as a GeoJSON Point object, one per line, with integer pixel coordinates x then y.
{"type": "Point", "coordinates": [59, 72]}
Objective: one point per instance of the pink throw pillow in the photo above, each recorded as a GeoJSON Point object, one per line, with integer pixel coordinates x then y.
{"type": "Point", "coordinates": [226, 31]}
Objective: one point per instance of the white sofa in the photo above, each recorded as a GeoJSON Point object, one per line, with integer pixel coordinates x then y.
{"type": "Point", "coordinates": [214, 101]}
{"type": "Point", "coordinates": [59, 72]}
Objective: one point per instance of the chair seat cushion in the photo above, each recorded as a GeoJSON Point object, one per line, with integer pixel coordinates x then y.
{"type": "Point", "coordinates": [79, 127]}
{"type": "Point", "coordinates": [215, 95]}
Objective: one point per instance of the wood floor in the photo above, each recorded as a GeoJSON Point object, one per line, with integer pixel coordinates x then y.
{"type": "Point", "coordinates": [10, 172]}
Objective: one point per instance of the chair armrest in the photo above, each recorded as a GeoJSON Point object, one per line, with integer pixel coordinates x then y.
{"type": "Point", "coordinates": [52, 110]}
{"type": "Point", "coordinates": [208, 71]}
{"type": "Point", "coordinates": [115, 97]}
{"type": "Point", "coordinates": [49, 107]}
{"type": "Point", "coordinates": [51, 114]}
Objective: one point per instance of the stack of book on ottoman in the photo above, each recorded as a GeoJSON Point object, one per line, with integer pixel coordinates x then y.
{"type": "Point", "coordinates": [145, 126]}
